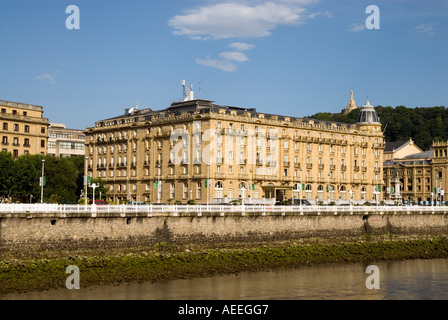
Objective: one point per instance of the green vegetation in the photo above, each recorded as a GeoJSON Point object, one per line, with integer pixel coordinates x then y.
{"type": "Point", "coordinates": [19, 178]}
{"type": "Point", "coordinates": [167, 262]}
{"type": "Point", "coordinates": [423, 125]}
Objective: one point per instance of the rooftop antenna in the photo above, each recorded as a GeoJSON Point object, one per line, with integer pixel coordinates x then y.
{"type": "Point", "coordinates": [199, 90]}
{"type": "Point", "coordinates": [183, 91]}
{"type": "Point", "coordinates": [187, 94]}
{"type": "Point", "coordinates": [136, 106]}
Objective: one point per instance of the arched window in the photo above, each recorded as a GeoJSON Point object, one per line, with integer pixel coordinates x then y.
{"type": "Point", "coordinates": [242, 187]}
{"type": "Point", "coordinates": [185, 190]}
{"type": "Point", "coordinates": [363, 193]}
{"type": "Point", "coordinates": [296, 192]}
{"type": "Point", "coordinates": [218, 190]}
{"type": "Point", "coordinates": [320, 192]}
{"type": "Point", "coordinates": [199, 190]}
{"type": "Point", "coordinates": [308, 192]}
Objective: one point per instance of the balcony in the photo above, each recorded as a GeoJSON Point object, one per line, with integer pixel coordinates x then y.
{"type": "Point", "coordinates": [309, 166]}
{"type": "Point", "coordinates": [286, 163]}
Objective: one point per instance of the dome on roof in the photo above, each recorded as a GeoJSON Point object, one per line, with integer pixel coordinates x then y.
{"type": "Point", "coordinates": [368, 114]}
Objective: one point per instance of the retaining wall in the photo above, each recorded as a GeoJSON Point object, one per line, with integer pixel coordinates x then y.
{"type": "Point", "coordinates": [22, 231]}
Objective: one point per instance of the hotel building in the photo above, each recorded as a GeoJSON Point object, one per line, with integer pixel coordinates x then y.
{"type": "Point", "coordinates": [196, 150]}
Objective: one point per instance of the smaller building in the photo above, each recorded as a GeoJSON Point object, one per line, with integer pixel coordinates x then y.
{"type": "Point", "coordinates": [400, 149]}
{"type": "Point", "coordinates": [411, 175]}
{"type": "Point", "coordinates": [23, 129]}
{"type": "Point", "coordinates": [63, 142]}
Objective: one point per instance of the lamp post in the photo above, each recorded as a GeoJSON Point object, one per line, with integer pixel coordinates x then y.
{"type": "Point", "coordinates": [351, 197]}
{"type": "Point", "coordinates": [93, 197]}
{"type": "Point", "coordinates": [250, 185]}
{"type": "Point", "coordinates": [85, 182]}
{"type": "Point", "coordinates": [158, 184]}
{"type": "Point", "coordinates": [208, 183]}
{"type": "Point", "coordinates": [42, 183]}
{"type": "Point", "coordinates": [301, 187]}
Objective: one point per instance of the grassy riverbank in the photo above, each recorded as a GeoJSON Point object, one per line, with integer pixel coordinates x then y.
{"type": "Point", "coordinates": [166, 261]}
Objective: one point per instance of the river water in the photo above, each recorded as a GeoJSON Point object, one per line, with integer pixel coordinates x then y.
{"type": "Point", "coordinates": [398, 280]}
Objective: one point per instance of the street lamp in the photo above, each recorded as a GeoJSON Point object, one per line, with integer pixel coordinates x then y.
{"type": "Point", "coordinates": [250, 185]}
{"type": "Point", "coordinates": [158, 184]}
{"type": "Point", "coordinates": [208, 183]}
{"type": "Point", "coordinates": [301, 187]}
{"type": "Point", "coordinates": [93, 187]}
{"type": "Point", "coordinates": [42, 183]}
{"type": "Point", "coordinates": [85, 182]}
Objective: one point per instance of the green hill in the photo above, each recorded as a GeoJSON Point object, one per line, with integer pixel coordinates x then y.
{"type": "Point", "coordinates": [423, 125]}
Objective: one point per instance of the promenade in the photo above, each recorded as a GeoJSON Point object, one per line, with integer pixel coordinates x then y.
{"type": "Point", "coordinates": [57, 210]}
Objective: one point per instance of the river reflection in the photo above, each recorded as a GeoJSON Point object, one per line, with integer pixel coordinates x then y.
{"type": "Point", "coordinates": [413, 279]}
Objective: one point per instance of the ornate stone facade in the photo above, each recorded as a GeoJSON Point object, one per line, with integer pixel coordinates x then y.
{"type": "Point", "coordinates": [419, 177]}
{"type": "Point", "coordinates": [207, 153]}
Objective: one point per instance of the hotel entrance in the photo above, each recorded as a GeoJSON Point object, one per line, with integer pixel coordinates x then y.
{"type": "Point", "coordinates": [277, 193]}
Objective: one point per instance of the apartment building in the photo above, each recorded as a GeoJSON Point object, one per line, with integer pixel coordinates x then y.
{"type": "Point", "coordinates": [64, 142]}
{"type": "Point", "coordinates": [24, 130]}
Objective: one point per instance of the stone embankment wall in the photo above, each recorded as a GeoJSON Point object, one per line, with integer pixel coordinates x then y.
{"type": "Point", "coordinates": [22, 232]}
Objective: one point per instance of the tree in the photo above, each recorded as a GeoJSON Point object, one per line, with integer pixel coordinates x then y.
{"type": "Point", "coordinates": [61, 176]}
{"type": "Point", "coordinates": [423, 125]}
{"type": "Point", "coordinates": [27, 173]}
{"type": "Point", "coordinates": [6, 175]}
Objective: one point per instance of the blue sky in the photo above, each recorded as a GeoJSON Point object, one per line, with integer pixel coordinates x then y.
{"type": "Point", "coordinates": [290, 57]}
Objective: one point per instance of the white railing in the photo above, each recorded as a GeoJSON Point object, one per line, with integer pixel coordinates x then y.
{"type": "Point", "coordinates": [222, 209]}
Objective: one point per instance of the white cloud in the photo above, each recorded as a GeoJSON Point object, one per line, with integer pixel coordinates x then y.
{"type": "Point", "coordinates": [46, 76]}
{"type": "Point", "coordinates": [238, 20]}
{"type": "Point", "coordinates": [241, 46]}
{"type": "Point", "coordinates": [327, 14]}
{"type": "Point", "coordinates": [356, 27]}
{"type": "Point", "coordinates": [235, 56]}
{"type": "Point", "coordinates": [425, 28]}
{"type": "Point", "coordinates": [218, 64]}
